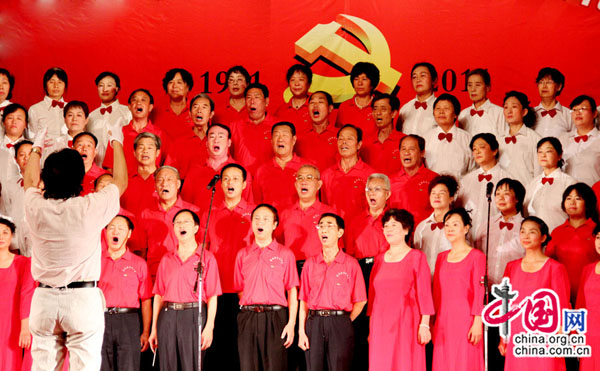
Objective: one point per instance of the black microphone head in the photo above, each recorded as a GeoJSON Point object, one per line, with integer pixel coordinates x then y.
{"type": "Point", "coordinates": [490, 187]}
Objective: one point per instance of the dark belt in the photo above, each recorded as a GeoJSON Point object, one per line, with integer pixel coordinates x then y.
{"type": "Point", "coordinates": [72, 285]}
{"type": "Point", "coordinates": [327, 313]}
{"type": "Point", "coordinates": [260, 308]}
{"type": "Point", "coordinates": [117, 310]}
{"type": "Point", "coordinates": [181, 306]}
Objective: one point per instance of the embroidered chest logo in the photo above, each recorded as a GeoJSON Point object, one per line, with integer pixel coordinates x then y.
{"type": "Point", "coordinates": [276, 260]}
{"type": "Point", "coordinates": [128, 270]}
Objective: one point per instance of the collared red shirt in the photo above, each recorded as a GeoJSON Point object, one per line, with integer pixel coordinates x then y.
{"type": "Point", "coordinates": [334, 286]}
{"type": "Point", "coordinates": [252, 142]}
{"type": "Point", "coordinates": [274, 185]}
{"type": "Point", "coordinates": [140, 194]}
{"type": "Point", "coordinates": [124, 281]}
{"type": "Point", "coordinates": [175, 278]}
{"type": "Point", "coordinates": [431, 240]}
{"type": "Point", "coordinates": [229, 114]}
{"type": "Point", "coordinates": [42, 114]}
{"type": "Point", "coordinates": [519, 153]}
{"type": "Point", "coordinates": [417, 120]}
{"type": "Point", "coordinates": [172, 124]}
{"type": "Point", "coordinates": [582, 158]}
{"type": "Point", "coordinates": [383, 157]}
{"type": "Point", "coordinates": [321, 148]}
{"type": "Point", "coordinates": [548, 126]}
{"type": "Point", "coordinates": [264, 275]}
{"type": "Point", "coordinates": [65, 234]}
{"type": "Point", "coordinates": [346, 191]}
{"type": "Point", "coordinates": [350, 113]}
{"type": "Point", "coordinates": [187, 150]}
{"type": "Point", "coordinates": [491, 119]}
{"type": "Point", "coordinates": [452, 157]}
{"type": "Point", "coordinates": [98, 125]}
{"type": "Point", "coordinates": [364, 236]}
{"type": "Point", "coordinates": [90, 177]}
{"type": "Point", "coordinates": [297, 116]}
{"type": "Point", "coordinates": [412, 192]}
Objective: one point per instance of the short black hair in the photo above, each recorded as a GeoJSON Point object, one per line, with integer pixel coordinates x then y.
{"type": "Point", "coordinates": [392, 99]}
{"type": "Point", "coordinates": [127, 220]}
{"type": "Point", "coordinates": [326, 94]}
{"type": "Point", "coordinates": [338, 219]}
{"type": "Point", "coordinates": [403, 217]}
{"type": "Point", "coordinates": [369, 69]}
{"type": "Point", "coordinates": [108, 74]}
{"type": "Point", "coordinates": [460, 211]}
{"type": "Point", "coordinates": [515, 186]}
{"type": "Point", "coordinates": [490, 139]}
{"type": "Point", "coordinates": [9, 224]}
{"type": "Point", "coordinates": [86, 133]}
{"type": "Point", "coordinates": [223, 126]}
{"type": "Point", "coordinates": [419, 139]}
{"type": "Point", "coordinates": [556, 76]}
{"type": "Point", "coordinates": [62, 174]}
{"type": "Point", "coordinates": [554, 142]}
{"type": "Point", "coordinates": [238, 69]}
{"type": "Point", "coordinates": [582, 98]}
{"type": "Point", "coordinates": [257, 85]}
{"type": "Point", "coordinates": [59, 72]}
{"type": "Point", "coordinates": [449, 98]}
{"type": "Point", "coordinates": [448, 180]}
{"type": "Point", "coordinates": [236, 166]}
{"type": "Point", "coordinates": [205, 96]}
{"type": "Point", "coordinates": [299, 68]}
{"type": "Point", "coordinates": [359, 132]}
{"type": "Point", "coordinates": [485, 75]}
{"type": "Point", "coordinates": [589, 198]}
{"type": "Point", "coordinates": [76, 104]}
{"type": "Point", "coordinates": [271, 208]}
{"type": "Point", "coordinates": [145, 91]}
{"type": "Point", "coordinates": [11, 81]}
{"type": "Point", "coordinates": [194, 215]}
{"type": "Point", "coordinates": [19, 144]}
{"type": "Point", "coordinates": [529, 118]}
{"type": "Point", "coordinates": [544, 230]}
{"type": "Point", "coordinates": [284, 123]}
{"type": "Point", "coordinates": [185, 76]}
{"type": "Point", "coordinates": [14, 107]}
{"type": "Point", "coordinates": [430, 67]}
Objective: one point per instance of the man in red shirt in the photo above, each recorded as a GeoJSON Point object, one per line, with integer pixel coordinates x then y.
{"type": "Point", "coordinates": [125, 282]}
{"type": "Point", "coordinates": [382, 151]}
{"type": "Point", "coordinates": [174, 119]}
{"type": "Point", "coordinates": [332, 291]}
{"type": "Point", "coordinates": [237, 78]}
{"type": "Point", "coordinates": [85, 143]}
{"type": "Point", "coordinates": [410, 184]}
{"type": "Point", "coordinates": [318, 143]}
{"type": "Point", "coordinates": [251, 136]}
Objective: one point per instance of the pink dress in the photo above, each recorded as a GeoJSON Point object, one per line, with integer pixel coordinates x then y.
{"type": "Point", "coordinates": [589, 298]}
{"type": "Point", "coordinates": [16, 291]}
{"type": "Point", "coordinates": [552, 275]}
{"type": "Point", "coordinates": [458, 297]}
{"type": "Point", "coordinates": [399, 294]}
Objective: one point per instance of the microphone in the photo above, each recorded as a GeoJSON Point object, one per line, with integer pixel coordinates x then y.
{"type": "Point", "coordinates": [214, 181]}
{"type": "Point", "coordinates": [488, 190]}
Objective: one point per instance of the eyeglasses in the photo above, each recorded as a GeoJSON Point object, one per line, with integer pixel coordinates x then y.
{"type": "Point", "coordinates": [375, 189]}
{"type": "Point", "coordinates": [581, 109]}
{"type": "Point", "coordinates": [546, 82]}
{"type": "Point", "coordinates": [307, 177]}
{"type": "Point", "coordinates": [326, 226]}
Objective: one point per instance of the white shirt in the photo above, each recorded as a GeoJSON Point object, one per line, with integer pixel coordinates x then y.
{"type": "Point", "coordinates": [42, 114]}
{"type": "Point", "coordinates": [492, 120]}
{"type": "Point", "coordinates": [520, 158]}
{"type": "Point", "coordinates": [417, 120]}
{"type": "Point", "coordinates": [505, 245]}
{"type": "Point", "coordinates": [431, 242]}
{"type": "Point", "coordinates": [548, 126]}
{"type": "Point", "coordinates": [544, 200]}
{"type": "Point", "coordinates": [445, 157]}
{"type": "Point", "coordinates": [6, 142]}
{"type": "Point", "coordinates": [97, 125]}
{"type": "Point", "coordinates": [582, 159]}
{"type": "Point", "coordinates": [66, 234]}
{"type": "Point", "coordinates": [472, 193]}
{"type": "Point", "coordinates": [9, 173]}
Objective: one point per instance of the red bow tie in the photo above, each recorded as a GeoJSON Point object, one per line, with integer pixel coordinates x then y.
{"type": "Point", "coordinates": [439, 225]}
{"type": "Point", "coordinates": [70, 144]}
{"type": "Point", "coordinates": [10, 145]}
{"type": "Point", "coordinates": [508, 226]}
{"type": "Point", "coordinates": [2, 108]}
{"type": "Point", "coordinates": [487, 177]}
{"type": "Point", "coordinates": [448, 137]}
{"type": "Point", "coordinates": [420, 105]}
{"type": "Point", "coordinates": [547, 180]}
{"type": "Point", "coordinates": [475, 112]}
{"type": "Point", "coordinates": [58, 103]}
{"type": "Point", "coordinates": [20, 182]}
{"type": "Point", "coordinates": [105, 110]}
{"type": "Point", "coordinates": [581, 137]}
{"type": "Point", "coordinates": [511, 139]}
{"type": "Point", "coordinates": [551, 112]}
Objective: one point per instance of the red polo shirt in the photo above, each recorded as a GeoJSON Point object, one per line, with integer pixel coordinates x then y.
{"type": "Point", "coordinates": [229, 114]}
{"type": "Point", "coordinates": [252, 142]}
{"type": "Point", "coordinates": [383, 157]}
{"type": "Point", "coordinates": [319, 148]}
{"type": "Point", "coordinates": [158, 234]}
{"type": "Point", "coordinates": [90, 177]}
{"type": "Point", "coordinates": [229, 231]}
{"type": "Point", "coordinates": [274, 185]}
{"type": "Point", "coordinates": [129, 135]}
{"type": "Point", "coordinates": [175, 278]}
{"type": "Point", "coordinates": [187, 150]}
{"type": "Point", "coordinates": [172, 124]}
{"type": "Point", "coordinates": [140, 194]}
{"type": "Point", "coordinates": [574, 248]}
{"type": "Point", "coordinates": [265, 274]}
{"type": "Point", "coordinates": [346, 191]}
{"type": "Point", "coordinates": [299, 228]}
{"type": "Point", "coordinates": [411, 192]}
{"type": "Point", "coordinates": [350, 113]}
{"type": "Point", "coordinates": [299, 117]}
{"type": "Point", "coordinates": [335, 286]}
{"type": "Point", "coordinates": [364, 236]}
{"type": "Point", "coordinates": [124, 281]}
{"type": "Point", "coordinates": [194, 188]}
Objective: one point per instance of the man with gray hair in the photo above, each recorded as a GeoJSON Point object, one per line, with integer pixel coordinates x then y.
{"type": "Point", "coordinates": [156, 221]}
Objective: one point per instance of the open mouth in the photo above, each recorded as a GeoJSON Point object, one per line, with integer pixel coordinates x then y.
{"type": "Point", "coordinates": [84, 156]}
{"type": "Point", "coordinates": [139, 109]}
{"type": "Point", "coordinates": [324, 238]}
{"type": "Point", "coordinates": [372, 201]}
{"type": "Point", "coordinates": [216, 148]}
{"type": "Point", "coordinates": [260, 229]}
{"type": "Point", "coordinates": [303, 190]}
{"type": "Point", "coordinates": [115, 239]}
{"type": "Point", "coordinates": [199, 118]}
{"type": "Point", "coordinates": [183, 233]}
{"type": "Point", "coordinates": [316, 113]}
{"type": "Point", "coordinates": [165, 191]}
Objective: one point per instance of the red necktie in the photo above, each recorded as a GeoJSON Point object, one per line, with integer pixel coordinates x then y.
{"type": "Point", "coordinates": [487, 177]}
{"type": "Point", "coordinates": [58, 103]}
{"type": "Point", "coordinates": [420, 105]}
{"type": "Point", "coordinates": [580, 138]}
{"type": "Point", "coordinates": [448, 137]}
{"type": "Point", "coordinates": [70, 144]}
{"type": "Point", "coordinates": [10, 145]}
{"type": "Point", "coordinates": [511, 139]}
{"type": "Point", "coordinates": [547, 180]}
{"type": "Point", "coordinates": [104, 110]}
{"type": "Point", "coordinates": [439, 225]}
{"type": "Point", "coordinates": [551, 112]}
{"type": "Point", "coordinates": [475, 112]}
{"type": "Point", "coordinates": [508, 226]}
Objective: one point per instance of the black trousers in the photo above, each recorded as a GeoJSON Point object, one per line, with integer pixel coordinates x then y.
{"type": "Point", "coordinates": [223, 353]}
{"type": "Point", "coordinates": [121, 345]}
{"type": "Point", "coordinates": [259, 340]}
{"type": "Point", "coordinates": [331, 341]}
{"type": "Point", "coordinates": [178, 339]}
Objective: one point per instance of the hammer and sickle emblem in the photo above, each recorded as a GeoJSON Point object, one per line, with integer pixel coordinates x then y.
{"type": "Point", "coordinates": [324, 40]}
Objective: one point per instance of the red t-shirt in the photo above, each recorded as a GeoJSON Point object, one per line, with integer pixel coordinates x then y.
{"type": "Point", "coordinates": [274, 185]}
{"type": "Point", "coordinates": [350, 113]}
{"type": "Point", "coordinates": [229, 115]}
{"type": "Point", "coordinates": [383, 157]}
{"type": "Point", "coordinates": [187, 150]}
{"type": "Point", "coordinates": [299, 117]}
{"type": "Point", "coordinates": [346, 191]}
{"type": "Point", "coordinates": [124, 281]}
{"type": "Point", "coordinates": [412, 192]}
{"type": "Point", "coordinates": [364, 236]}
{"type": "Point", "coordinates": [90, 177]}
{"type": "Point", "coordinates": [252, 142]}
{"type": "Point", "coordinates": [173, 125]}
{"type": "Point", "coordinates": [140, 194]}
{"type": "Point", "coordinates": [320, 148]}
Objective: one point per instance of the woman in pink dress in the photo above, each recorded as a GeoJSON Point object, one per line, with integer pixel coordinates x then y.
{"type": "Point", "coordinates": [588, 297]}
{"type": "Point", "coordinates": [533, 272]}
{"type": "Point", "coordinates": [458, 297]}
{"type": "Point", "coordinates": [400, 301]}
{"type": "Point", "coordinates": [16, 291]}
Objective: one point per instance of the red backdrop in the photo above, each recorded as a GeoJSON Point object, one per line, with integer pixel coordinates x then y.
{"type": "Point", "coordinates": [141, 39]}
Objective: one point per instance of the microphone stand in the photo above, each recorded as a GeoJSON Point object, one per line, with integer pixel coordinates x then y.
{"type": "Point", "coordinates": [199, 272]}
{"type": "Point", "coordinates": [485, 277]}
